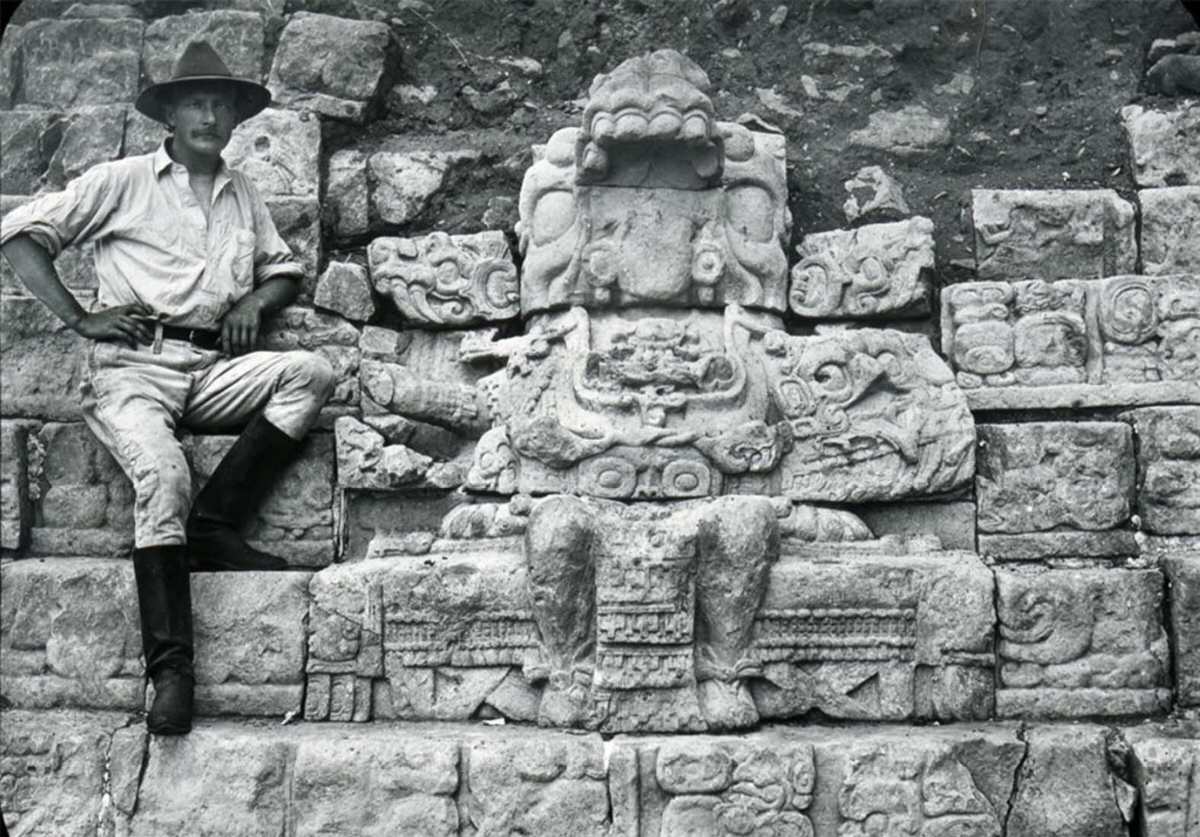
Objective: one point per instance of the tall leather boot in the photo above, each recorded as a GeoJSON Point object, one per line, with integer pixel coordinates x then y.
{"type": "Point", "coordinates": [232, 494]}
{"type": "Point", "coordinates": [165, 605]}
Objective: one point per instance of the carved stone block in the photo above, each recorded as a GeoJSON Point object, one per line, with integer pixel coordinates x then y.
{"type": "Point", "coordinates": [1037, 476]}
{"type": "Point", "coordinates": [1116, 544]}
{"type": "Point", "coordinates": [67, 63]}
{"type": "Point", "coordinates": [1121, 340]}
{"type": "Point", "coordinates": [345, 289]}
{"type": "Point", "coordinates": [1171, 229]}
{"type": "Point", "coordinates": [1052, 234]}
{"type": "Point", "coordinates": [875, 270]}
{"type": "Point", "coordinates": [1183, 577]}
{"type": "Point", "coordinates": [447, 280]}
{"type": "Point", "coordinates": [1161, 150]}
{"type": "Point", "coordinates": [69, 634]}
{"type": "Point", "coordinates": [331, 65]}
{"type": "Point", "coordinates": [236, 35]}
{"type": "Point", "coordinates": [249, 633]}
{"type": "Point", "coordinates": [1080, 643]}
{"type": "Point", "coordinates": [365, 460]}
{"type": "Point", "coordinates": [1168, 496]}
{"type": "Point", "coordinates": [16, 515]}
{"type": "Point", "coordinates": [279, 150]}
{"type": "Point", "coordinates": [874, 195]}
{"type": "Point", "coordinates": [1165, 762]}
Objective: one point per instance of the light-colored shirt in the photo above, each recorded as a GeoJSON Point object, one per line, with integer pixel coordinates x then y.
{"type": "Point", "coordinates": [154, 245]}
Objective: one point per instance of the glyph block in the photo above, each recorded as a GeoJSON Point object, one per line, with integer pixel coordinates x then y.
{"type": "Point", "coordinates": [279, 151]}
{"type": "Point", "coordinates": [1183, 577]}
{"type": "Point", "coordinates": [1162, 149]}
{"type": "Point", "coordinates": [1168, 494]}
{"type": "Point", "coordinates": [1165, 763]}
{"type": "Point", "coordinates": [1171, 229]}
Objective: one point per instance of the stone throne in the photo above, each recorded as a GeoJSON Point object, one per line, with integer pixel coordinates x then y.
{"type": "Point", "coordinates": [654, 554]}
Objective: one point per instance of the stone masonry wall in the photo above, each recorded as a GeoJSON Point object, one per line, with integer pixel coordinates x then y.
{"type": "Point", "coordinates": [1039, 214]}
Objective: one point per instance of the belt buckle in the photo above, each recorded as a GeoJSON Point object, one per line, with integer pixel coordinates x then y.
{"type": "Point", "coordinates": [158, 338]}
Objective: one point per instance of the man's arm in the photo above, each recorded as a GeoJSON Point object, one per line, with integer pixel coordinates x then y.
{"type": "Point", "coordinates": [35, 268]}
{"type": "Point", "coordinates": [240, 327]}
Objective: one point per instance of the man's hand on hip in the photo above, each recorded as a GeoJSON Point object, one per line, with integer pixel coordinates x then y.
{"type": "Point", "coordinates": [125, 323]}
{"type": "Point", "coordinates": [239, 328]}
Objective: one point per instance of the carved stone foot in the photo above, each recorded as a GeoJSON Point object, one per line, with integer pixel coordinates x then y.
{"type": "Point", "coordinates": [566, 702]}
{"type": "Point", "coordinates": [726, 705]}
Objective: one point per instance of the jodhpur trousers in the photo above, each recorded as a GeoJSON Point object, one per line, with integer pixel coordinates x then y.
{"type": "Point", "coordinates": [133, 400]}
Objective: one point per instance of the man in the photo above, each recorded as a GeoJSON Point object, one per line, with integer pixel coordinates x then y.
{"type": "Point", "coordinates": [188, 262]}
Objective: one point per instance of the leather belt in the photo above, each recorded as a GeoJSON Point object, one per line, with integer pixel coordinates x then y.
{"type": "Point", "coordinates": [201, 338]}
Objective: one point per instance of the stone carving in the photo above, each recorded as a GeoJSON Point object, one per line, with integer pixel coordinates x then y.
{"type": "Point", "coordinates": [444, 280]}
{"type": "Point", "coordinates": [1032, 343]}
{"type": "Point", "coordinates": [1081, 642]}
{"type": "Point", "coordinates": [1160, 149]}
{"type": "Point", "coordinates": [1052, 233]}
{"type": "Point", "coordinates": [1168, 491]}
{"type": "Point", "coordinates": [1038, 476]}
{"type": "Point", "coordinates": [1166, 768]}
{"type": "Point", "coordinates": [874, 195]}
{"type": "Point", "coordinates": [875, 270]}
{"type": "Point", "coordinates": [1171, 229]}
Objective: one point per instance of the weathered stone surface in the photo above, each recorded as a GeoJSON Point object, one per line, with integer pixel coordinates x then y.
{"type": "Point", "coordinates": [249, 631]}
{"type": "Point", "coordinates": [347, 197]}
{"type": "Point", "coordinates": [908, 132]}
{"type": "Point", "coordinates": [951, 521]}
{"type": "Point", "coordinates": [1039, 475]}
{"type": "Point", "coordinates": [1171, 229]}
{"type": "Point", "coordinates": [874, 196]}
{"type": "Point", "coordinates": [100, 10]}
{"type": "Point", "coordinates": [1160, 144]}
{"type": "Point", "coordinates": [1052, 234]}
{"type": "Point", "coordinates": [41, 362]}
{"type": "Point", "coordinates": [365, 460]}
{"type": "Point", "coordinates": [1081, 643]}
{"type": "Point", "coordinates": [236, 35]}
{"type": "Point", "coordinates": [16, 514]}
{"type": "Point", "coordinates": [1168, 493]}
{"type": "Point", "coordinates": [554, 785]}
{"type": "Point", "coordinates": [91, 134]}
{"type": "Point", "coordinates": [30, 139]}
{"type": "Point", "coordinates": [280, 151]}
{"type": "Point", "coordinates": [69, 634]}
{"type": "Point", "coordinates": [1183, 578]}
{"type": "Point", "coordinates": [69, 63]}
{"type": "Point", "coordinates": [329, 64]}
{"type": "Point", "coordinates": [300, 327]}
{"type": "Point", "coordinates": [447, 280]}
{"type": "Point", "coordinates": [876, 270]}
{"type": "Point", "coordinates": [1165, 766]}
{"type": "Point", "coordinates": [1037, 546]}
{"type": "Point", "coordinates": [345, 289]}
{"type": "Point", "coordinates": [404, 183]}
{"type": "Point", "coordinates": [75, 265]}
{"type": "Point", "coordinates": [142, 134]}
{"type": "Point", "coordinates": [1065, 786]}
{"type": "Point", "coordinates": [52, 770]}
{"type": "Point", "coordinates": [9, 66]}
{"type": "Point", "coordinates": [1122, 340]}
{"type": "Point", "coordinates": [298, 221]}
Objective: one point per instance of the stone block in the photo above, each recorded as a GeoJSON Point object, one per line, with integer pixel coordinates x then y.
{"type": "Point", "coordinates": [874, 196]}
{"type": "Point", "coordinates": [329, 64]}
{"type": "Point", "coordinates": [553, 785]}
{"type": "Point", "coordinates": [870, 271]}
{"type": "Point", "coordinates": [69, 634]}
{"type": "Point", "coordinates": [365, 460]}
{"type": "Point", "coordinates": [951, 521]}
{"type": "Point", "coordinates": [1161, 147]}
{"type": "Point", "coordinates": [236, 35]}
{"type": "Point", "coordinates": [301, 327]}
{"type": "Point", "coordinates": [345, 289]}
{"type": "Point", "coordinates": [41, 362]}
{"type": "Point", "coordinates": [75, 265]}
{"type": "Point", "coordinates": [90, 134]}
{"type": "Point", "coordinates": [52, 771]}
{"type": "Point", "coordinates": [1171, 229]}
{"type": "Point", "coordinates": [1039, 546]}
{"type": "Point", "coordinates": [16, 514]}
{"type": "Point", "coordinates": [10, 65]}
{"type": "Point", "coordinates": [298, 221]}
{"type": "Point", "coordinates": [1066, 787]}
{"type": "Point", "coordinates": [447, 280]}
{"type": "Point", "coordinates": [911, 131]}
{"type": "Point", "coordinates": [1183, 579]}
{"type": "Point", "coordinates": [1041, 475]}
{"type": "Point", "coordinates": [405, 183]}
{"type": "Point", "coordinates": [68, 63]}
{"type": "Point", "coordinates": [1052, 234]}
{"type": "Point", "coordinates": [280, 151]}
{"type": "Point", "coordinates": [249, 631]}
{"type": "Point", "coordinates": [1165, 766]}
{"type": "Point", "coordinates": [1168, 458]}
{"type": "Point", "coordinates": [30, 139]}
{"type": "Point", "coordinates": [1076, 643]}
{"type": "Point", "coordinates": [347, 197]}
{"type": "Point", "coordinates": [142, 134]}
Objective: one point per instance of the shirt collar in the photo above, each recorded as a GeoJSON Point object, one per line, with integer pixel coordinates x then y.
{"type": "Point", "coordinates": [163, 162]}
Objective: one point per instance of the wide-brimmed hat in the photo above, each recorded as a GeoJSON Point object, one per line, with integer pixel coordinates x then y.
{"type": "Point", "coordinates": [200, 62]}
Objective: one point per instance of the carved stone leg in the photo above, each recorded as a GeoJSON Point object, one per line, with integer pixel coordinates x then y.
{"type": "Point", "coordinates": [562, 585]}
{"type": "Point", "coordinates": [739, 540]}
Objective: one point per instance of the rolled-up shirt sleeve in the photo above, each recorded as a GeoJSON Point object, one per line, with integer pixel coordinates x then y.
{"type": "Point", "coordinates": [75, 215]}
{"type": "Point", "coordinates": [273, 258]}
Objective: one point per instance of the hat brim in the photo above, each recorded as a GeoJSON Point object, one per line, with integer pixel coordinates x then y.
{"type": "Point", "coordinates": [252, 96]}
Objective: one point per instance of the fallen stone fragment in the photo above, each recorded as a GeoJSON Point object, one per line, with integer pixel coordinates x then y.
{"type": "Point", "coordinates": [875, 196]}
{"type": "Point", "coordinates": [1162, 149]}
{"type": "Point", "coordinates": [345, 289]}
{"type": "Point", "coordinates": [909, 132]}
{"type": "Point", "coordinates": [404, 183]}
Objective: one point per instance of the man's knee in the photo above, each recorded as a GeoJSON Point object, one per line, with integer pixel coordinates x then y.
{"type": "Point", "coordinates": [312, 373]}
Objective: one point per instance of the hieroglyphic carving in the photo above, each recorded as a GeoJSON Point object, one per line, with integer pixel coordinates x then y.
{"type": "Point", "coordinates": [879, 269]}
{"type": "Point", "coordinates": [446, 280]}
{"type": "Point", "coordinates": [1168, 491]}
{"type": "Point", "coordinates": [1081, 642]}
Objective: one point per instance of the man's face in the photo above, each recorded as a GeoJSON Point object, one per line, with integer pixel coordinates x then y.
{"type": "Point", "coordinates": [203, 117]}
